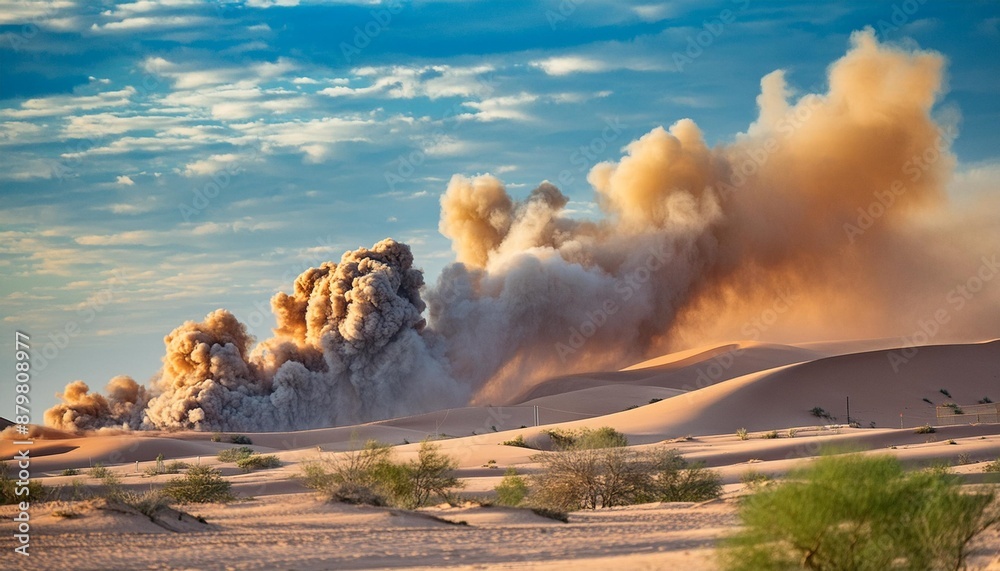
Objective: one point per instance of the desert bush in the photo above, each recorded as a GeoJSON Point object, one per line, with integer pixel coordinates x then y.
{"type": "Point", "coordinates": [258, 462]}
{"type": "Point", "coordinates": [512, 489]}
{"type": "Point", "coordinates": [369, 475]}
{"type": "Point", "coordinates": [9, 488]}
{"type": "Point", "coordinates": [608, 477]}
{"type": "Point", "coordinates": [742, 434]}
{"type": "Point", "coordinates": [993, 466]}
{"type": "Point", "coordinates": [517, 441]}
{"type": "Point", "coordinates": [240, 439]}
{"type": "Point", "coordinates": [235, 454]}
{"type": "Point", "coordinates": [674, 479]}
{"type": "Point", "coordinates": [70, 472]}
{"type": "Point", "coordinates": [770, 435]}
{"type": "Point", "coordinates": [985, 400]}
{"type": "Point", "coordinates": [201, 484]}
{"type": "Point", "coordinates": [861, 513]}
{"type": "Point", "coordinates": [925, 429]}
{"type": "Point", "coordinates": [98, 471]}
{"type": "Point", "coordinates": [755, 480]}
{"type": "Point", "coordinates": [587, 438]}
{"type": "Point", "coordinates": [216, 437]}
{"type": "Point", "coordinates": [792, 432]}
{"type": "Point", "coordinates": [431, 474]}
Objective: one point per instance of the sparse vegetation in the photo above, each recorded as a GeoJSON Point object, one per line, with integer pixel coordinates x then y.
{"type": "Point", "coordinates": [587, 478]}
{"type": "Point", "coordinates": [9, 488]}
{"type": "Point", "coordinates": [820, 412]}
{"type": "Point", "coordinates": [925, 429]}
{"type": "Point", "coordinates": [955, 409]}
{"type": "Point", "coordinates": [993, 466]}
{"type": "Point", "coordinates": [743, 434]}
{"type": "Point", "coordinates": [235, 454]}
{"type": "Point", "coordinates": [859, 512]}
{"type": "Point", "coordinates": [70, 472]}
{"type": "Point", "coordinates": [512, 490]}
{"type": "Point", "coordinates": [369, 476]}
{"type": "Point", "coordinates": [98, 471]}
{"type": "Point", "coordinates": [755, 480]}
{"type": "Point", "coordinates": [201, 484]}
{"type": "Point", "coordinates": [769, 435]}
{"type": "Point", "coordinates": [517, 441]}
{"type": "Point", "coordinates": [240, 439]}
{"type": "Point", "coordinates": [792, 432]}
{"type": "Point", "coordinates": [216, 437]}
{"type": "Point", "coordinates": [985, 400]}
{"type": "Point", "coordinates": [258, 462]}
{"type": "Point", "coordinates": [587, 438]}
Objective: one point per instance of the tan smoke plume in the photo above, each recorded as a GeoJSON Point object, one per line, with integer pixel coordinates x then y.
{"type": "Point", "coordinates": [826, 214]}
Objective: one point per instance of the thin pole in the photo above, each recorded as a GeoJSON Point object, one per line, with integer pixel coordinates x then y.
{"type": "Point", "coordinates": [848, 411]}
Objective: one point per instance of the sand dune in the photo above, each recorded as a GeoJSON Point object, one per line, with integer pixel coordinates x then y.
{"type": "Point", "coordinates": [707, 393]}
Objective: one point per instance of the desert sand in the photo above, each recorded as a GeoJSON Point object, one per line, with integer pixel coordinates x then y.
{"type": "Point", "coordinates": [699, 400]}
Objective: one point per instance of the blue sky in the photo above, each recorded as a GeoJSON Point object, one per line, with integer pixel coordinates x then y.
{"type": "Point", "coordinates": [161, 159]}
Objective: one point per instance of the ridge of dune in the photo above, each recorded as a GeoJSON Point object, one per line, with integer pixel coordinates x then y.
{"type": "Point", "coordinates": [881, 385]}
{"type": "Point", "coordinates": [686, 370]}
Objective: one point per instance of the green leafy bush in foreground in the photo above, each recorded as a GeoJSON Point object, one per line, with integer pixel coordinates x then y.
{"type": "Point", "coordinates": [859, 513]}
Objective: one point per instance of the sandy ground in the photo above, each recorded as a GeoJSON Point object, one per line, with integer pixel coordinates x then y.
{"type": "Point", "coordinates": [278, 524]}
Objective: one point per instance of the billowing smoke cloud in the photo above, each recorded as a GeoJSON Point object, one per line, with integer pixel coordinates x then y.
{"type": "Point", "coordinates": [818, 210]}
{"type": "Point", "coordinates": [350, 345]}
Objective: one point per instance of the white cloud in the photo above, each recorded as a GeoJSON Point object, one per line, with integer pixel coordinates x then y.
{"type": "Point", "coordinates": [69, 105]}
{"type": "Point", "coordinates": [212, 164]}
{"type": "Point", "coordinates": [564, 65]}
{"type": "Point", "coordinates": [125, 180]}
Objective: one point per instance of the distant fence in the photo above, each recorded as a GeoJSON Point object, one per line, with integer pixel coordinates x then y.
{"type": "Point", "coordinates": [968, 414]}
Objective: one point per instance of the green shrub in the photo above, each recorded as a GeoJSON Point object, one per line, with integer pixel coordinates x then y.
{"type": "Point", "coordinates": [240, 439]}
{"type": "Point", "coordinates": [587, 438]}
{"type": "Point", "coordinates": [216, 437]}
{"type": "Point", "coordinates": [258, 462]}
{"type": "Point", "coordinates": [742, 434]}
{"type": "Point", "coordinates": [925, 429]}
{"type": "Point", "coordinates": [673, 479]}
{"type": "Point", "coordinates": [517, 441]}
{"type": "Point", "coordinates": [70, 472]}
{"type": "Point", "coordinates": [201, 484]}
{"type": "Point", "coordinates": [861, 513]}
{"type": "Point", "coordinates": [369, 476]}
{"type": "Point", "coordinates": [9, 488]}
{"type": "Point", "coordinates": [608, 477]}
{"type": "Point", "coordinates": [98, 471]}
{"type": "Point", "coordinates": [755, 480]}
{"type": "Point", "coordinates": [512, 489]}
{"type": "Point", "coordinates": [175, 467]}
{"type": "Point", "coordinates": [770, 435]}
{"type": "Point", "coordinates": [235, 454]}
